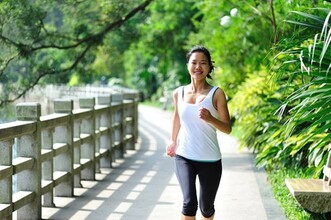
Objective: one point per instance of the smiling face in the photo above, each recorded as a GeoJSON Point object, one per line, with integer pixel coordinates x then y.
{"type": "Point", "coordinates": [198, 65]}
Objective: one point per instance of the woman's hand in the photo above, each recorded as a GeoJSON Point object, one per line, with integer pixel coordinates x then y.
{"type": "Point", "coordinates": [171, 149]}
{"type": "Point", "coordinates": [204, 114]}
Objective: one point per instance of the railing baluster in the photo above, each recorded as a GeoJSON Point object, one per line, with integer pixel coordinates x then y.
{"type": "Point", "coordinates": [88, 129]}
{"type": "Point", "coordinates": [118, 132]}
{"type": "Point", "coordinates": [47, 166]}
{"type": "Point", "coordinates": [29, 146]}
{"type": "Point", "coordinates": [106, 123]}
{"type": "Point", "coordinates": [77, 153]}
{"type": "Point", "coordinates": [6, 189]}
{"type": "Point", "coordinates": [64, 161]}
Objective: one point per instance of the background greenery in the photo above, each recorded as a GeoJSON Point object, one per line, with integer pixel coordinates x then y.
{"type": "Point", "coordinates": [272, 59]}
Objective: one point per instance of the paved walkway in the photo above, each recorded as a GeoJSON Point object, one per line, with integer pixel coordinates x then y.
{"type": "Point", "coordinates": [143, 185]}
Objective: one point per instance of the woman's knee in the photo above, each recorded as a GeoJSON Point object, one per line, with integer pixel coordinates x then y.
{"type": "Point", "coordinates": [190, 208]}
{"type": "Point", "coordinates": [207, 212]}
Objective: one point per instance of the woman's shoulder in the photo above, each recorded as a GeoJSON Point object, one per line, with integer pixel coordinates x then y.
{"type": "Point", "coordinates": [175, 92]}
{"type": "Point", "coordinates": [219, 95]}
{"type": "Point", "coordinates": [178, 89]}
{"type": "Point", "coordinates": [218, 90]}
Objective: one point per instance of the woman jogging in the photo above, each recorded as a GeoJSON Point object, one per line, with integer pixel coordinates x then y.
{"type": "Point", "coordinates": [200, 109]}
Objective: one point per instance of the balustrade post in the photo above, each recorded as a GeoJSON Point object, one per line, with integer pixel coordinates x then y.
{"type": "Point", "coordinates": [97, 136]}
{"type": "Point", "coordinates": [106, 140]}
{"type": "Point", "coordinates": [29, 146]}
{"type": "Point", "coordinates": [77, 152]}
{"type": "Point", "coordinates": [130, 126]}
{"type": "Point", "coordinates": [88, 127]}
{"type": "Point", "coordinates": [47, 166]}
{"type": "Point", "coordinates": [135, 116]}
{"type": "Point", "coordinates": [118, 117]}
{"type": "Point", "coordinates": [64, 134]}
{"type": "Point", "coordinates": [6, 188]}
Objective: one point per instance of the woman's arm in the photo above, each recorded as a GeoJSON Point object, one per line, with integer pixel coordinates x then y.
{"type": "Point", "coordinates": [223, 122]}
{"type": "Point", "coordinates": [171, 148]}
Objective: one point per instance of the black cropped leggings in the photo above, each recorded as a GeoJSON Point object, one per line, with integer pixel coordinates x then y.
{"type": "Point", "coordinates": [209, 174]}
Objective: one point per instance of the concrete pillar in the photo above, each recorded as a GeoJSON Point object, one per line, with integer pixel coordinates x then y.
{"type": "Point", "coordinates": [105, 121]}
{"type": "Point", "coordinates": [118, 117]}
{"type": "Point", "coordinates": [88, 127]}
{"type": "Point", "coordinates": [135, 117]}
{"type": "Point", "coordinates": [47, 166]}
{"type": "Point", "coordinates": [64, 134]}
{"type": "Point", "coordinates": [30, 146]}
{"type": "Point", "coordinates": [77, 152]}
{"type": "Point", "coordinates": [6, 188]}
{"type": "Point", "coordinates": [130, 111]}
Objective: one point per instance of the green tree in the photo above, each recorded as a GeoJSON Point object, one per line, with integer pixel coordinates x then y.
{"type": "Point", "coordinates": [49, 41]}
{"type": "Point", "coordinates": [157, 61]}
{"type": "Point", "coordinates": [239, 35]}
{"type": "Point", "coordinates": [243, 49]}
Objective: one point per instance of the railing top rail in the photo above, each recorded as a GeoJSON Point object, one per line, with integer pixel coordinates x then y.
{"type": "Point", "coordinates": [16, 129]}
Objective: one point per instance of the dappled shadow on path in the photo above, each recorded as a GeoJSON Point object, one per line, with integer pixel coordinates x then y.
{"type": "Point", "coordinates": [142, 186]}
{"type": "Point", "coordinates": [138, 187]}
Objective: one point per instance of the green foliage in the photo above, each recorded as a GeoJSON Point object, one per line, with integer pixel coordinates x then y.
{"type": "Point", "coordinates": [306, 109]}
{"type": "Point", "coordinates": [252, 108]}
{"type": "Point", "coordinates": [239, 47]}
{"type": "Point", "coordinates": [157, 61]}
{"type": "Point", "coordinates": [7, 114]}
{"type": "Point", "coordinates": [18, 25]}
{"type": "Point", "coordinates": [282, 113]}
{"type": "Point", "coordinates": [50, 41]}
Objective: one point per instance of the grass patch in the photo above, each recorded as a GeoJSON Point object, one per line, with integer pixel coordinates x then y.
{"type": "Point", "coordinates": [292, 209]}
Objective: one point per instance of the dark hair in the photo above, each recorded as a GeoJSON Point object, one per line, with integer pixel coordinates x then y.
{"type": "Point", "coordinates": [205, 51]}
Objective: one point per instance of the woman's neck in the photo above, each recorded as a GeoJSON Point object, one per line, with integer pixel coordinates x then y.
{"type": "Point", "coordinates": [198, 86]}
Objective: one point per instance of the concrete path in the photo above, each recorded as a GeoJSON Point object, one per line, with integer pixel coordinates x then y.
{"type": "Point", "coordinates": [142, 186]}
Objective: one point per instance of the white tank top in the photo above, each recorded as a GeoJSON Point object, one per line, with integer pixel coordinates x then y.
{"type": "Point", "coordinates": [197, 139]}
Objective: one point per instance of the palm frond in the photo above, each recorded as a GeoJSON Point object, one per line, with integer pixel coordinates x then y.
{"type": "Point", "coordinates": [308, 116]}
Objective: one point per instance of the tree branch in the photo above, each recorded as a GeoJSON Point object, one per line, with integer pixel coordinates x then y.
{"type": "Point", "coordinates": [90, 41]}
{"type": "Point", "coordinates": [98, 37]}
{"type": "Point", "coordinates": [46, 73]}
{"type": "Point", "coordinates": [273, 21]}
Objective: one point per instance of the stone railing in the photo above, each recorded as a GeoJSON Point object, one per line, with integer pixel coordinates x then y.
{"type": "Point", "coordinates": [46, 94]}
{"type": "Point", "coordinates": [53, 153]}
